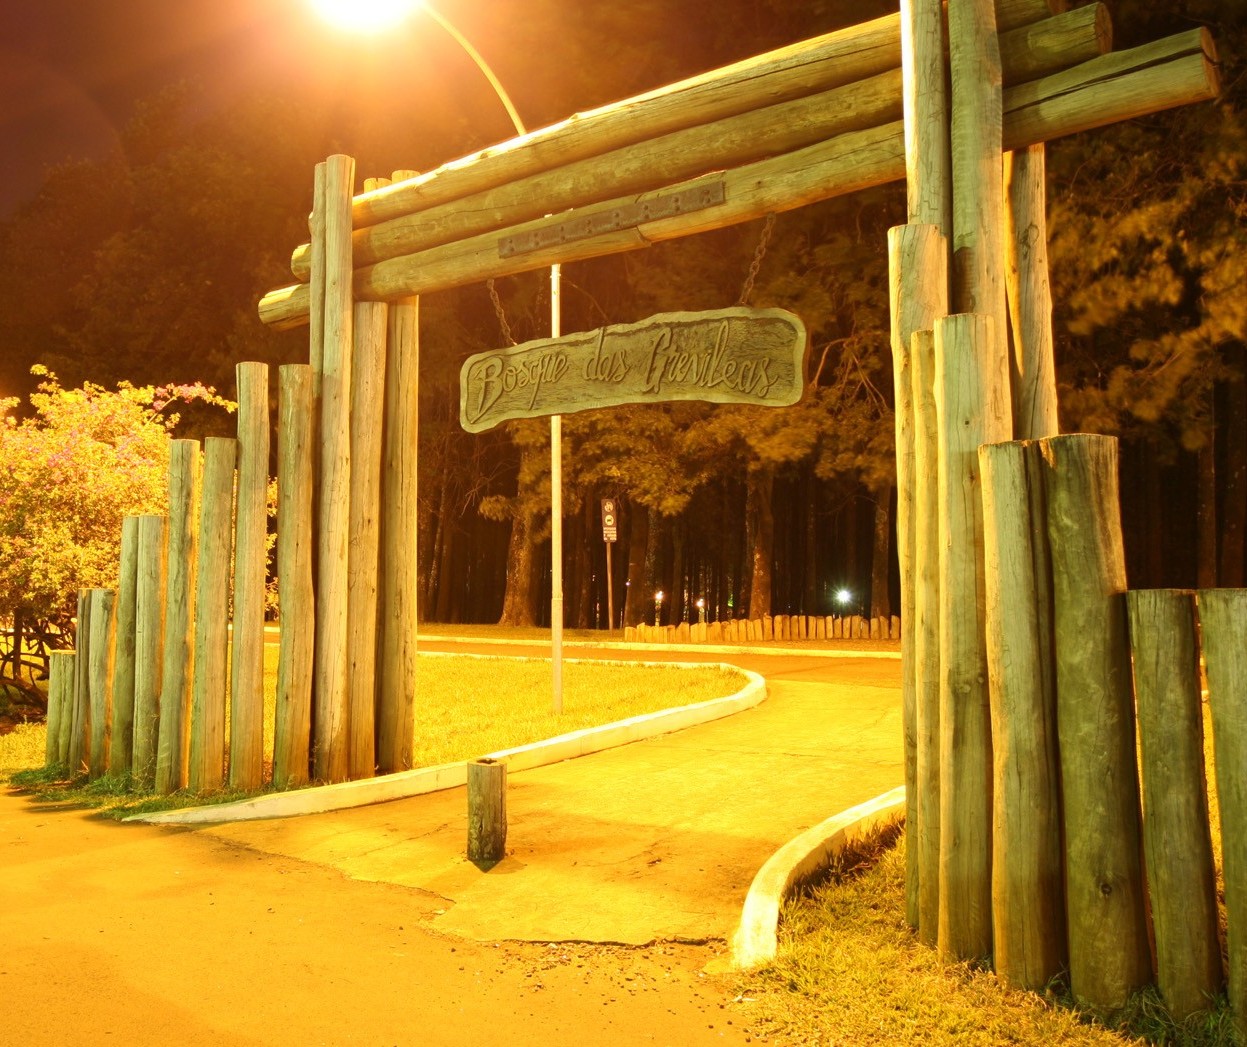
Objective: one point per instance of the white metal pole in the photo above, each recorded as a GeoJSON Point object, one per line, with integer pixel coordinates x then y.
{"type": "Point", "coordinates": [556, 509]}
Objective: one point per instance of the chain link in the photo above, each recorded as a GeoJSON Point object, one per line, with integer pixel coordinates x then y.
{"type": "Point", "coordinates": [758, 255]}
{"type": "Point", "coordinates": [502, 316]}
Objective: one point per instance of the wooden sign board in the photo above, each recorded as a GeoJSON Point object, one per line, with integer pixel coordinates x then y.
{"type": "Point", "coordinates": [728, 356]}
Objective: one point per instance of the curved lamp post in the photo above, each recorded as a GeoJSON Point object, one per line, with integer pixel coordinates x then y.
{"type": "Point", "coordinates": [374, 16]}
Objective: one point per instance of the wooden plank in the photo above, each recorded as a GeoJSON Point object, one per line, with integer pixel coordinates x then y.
{"type": "Point", "coordinates": [177, 669]}
{"type": "Point", "coordinates": [102, 623]}
{"type": "Point", "coordinates": [121, 748]}
{"type": "Point", "coordinates": [80, 719]}
{"type": "Point", "coordinates": [60, 707]}
{"type": "Point", "coordinates": [737, 355]}
{"type": "Point", "coordinates": [1223, 623]}
{"type": "Point", "coordinates": [1108, 947]}
{"type": "Point", "coordinates": [1177, 842]}
{"type": "Point", "coordinates": [206, 767]}
{"type": "Point", "coordinates": [149, 625]}
{"type": "Point", "coordinates": [246, 719]}
{"type": "Point", "coordinates": [399, 581]}
{"type": "Point", "coordinates": [1028, 898]}
{"type": "Point", "coordinates": [331, 758]}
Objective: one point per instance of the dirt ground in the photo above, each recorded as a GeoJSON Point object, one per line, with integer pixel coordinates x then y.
{"type": "Point", "coordinates": [136, 935]}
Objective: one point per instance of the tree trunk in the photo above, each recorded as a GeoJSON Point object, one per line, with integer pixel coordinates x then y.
{"type": "Point", "coordinates": [638, 541]}
{"type": "Point", "coordinates": [811, 560]}
{"type": "Point", "coordinates": [586, 550]}
{"type": "Point", "coordinates": [653, 563]}
{"type": "Point", "coordinates": [880, 604]}
{"type": "Point", "coordinates": [1234, 506]}
{"type": "Point", "coordinates": [761, 522]}
{"type": "Point", "coordinates": [675, 597]}
{"type": "Point", "coordinates": [517, 606]}
{"type": "Point", "coordinates": [1206, 506]}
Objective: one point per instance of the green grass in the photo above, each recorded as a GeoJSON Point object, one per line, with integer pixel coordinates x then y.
{"type": "Point", "coordinates": [466, 707]}
{"type": "Point", "coordinates": [849, 971]}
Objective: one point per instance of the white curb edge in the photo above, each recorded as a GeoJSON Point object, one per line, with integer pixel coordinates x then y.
{"type": "Point", "coordinates": [803, 857]}
{"type": "Point", "coordinates": [343, 795]}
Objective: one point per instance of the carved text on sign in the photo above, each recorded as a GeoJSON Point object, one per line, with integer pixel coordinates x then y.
{"type": "Point", "coordinates": [739, 355]}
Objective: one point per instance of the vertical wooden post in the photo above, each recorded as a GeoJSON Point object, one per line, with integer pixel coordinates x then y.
{"type": "Point", "coordinates": [207, 750]}
{"type": "Point", "coordinates": [293, 718]}
{"type": "Point", "coordinates": [1177, 842]}
{"type": "Point", "coordinates": [1223, 623]}
{"type": "Point", "coordinates": [487, 810]}
{"type": "Point", "coordinates": [332, 757]}
{"type": "Point", "coordinates": [80, 718]}
{"type": "Point", "coordinates": [918, 293]}
{"type": "Point", "coordinates": [396, 692]}
{"type": "Point", "coordinates": [246, 721]}
{"type": "Point", "coordinates": [1028, 901]}
{"type": "Point", "coordinates": [972, 409]}
{"type": "Point", "coordinates": [1032, 365]}
{"type": "Point", "coordinates": [60, 707]}
{"type": "Point", "coordinates": [1108, 948]}
{"type": "Point", "coordinates": [367, 421]}
{"type": "Point", "coordinates": [925, 99]}
{"type": "Point", "coordinates": [121, 751]}
{"type": "Point", "coordinates": [924, 836]}
{"type": "Point", "coordinates": [179, 631]}
{"type": "Point", "coordinates": [103, 620]}
{"type": "Point", "coordinates": [149, 620]}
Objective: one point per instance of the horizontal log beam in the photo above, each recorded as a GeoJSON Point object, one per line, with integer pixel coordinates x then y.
{"type": "Point", "coordinates": [1026, 53]}
{"type": "Point", "coordinates": [1172, 72]}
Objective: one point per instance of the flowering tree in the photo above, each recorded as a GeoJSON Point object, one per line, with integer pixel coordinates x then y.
{"type": "Point", "coordinates": [70, 471]}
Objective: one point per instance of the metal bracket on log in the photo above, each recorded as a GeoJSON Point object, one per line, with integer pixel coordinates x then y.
{"type": "Point", "coordinates": [625, 216]}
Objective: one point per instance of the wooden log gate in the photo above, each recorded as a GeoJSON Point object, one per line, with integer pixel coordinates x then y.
{"type": "Point", "coordinates": [986, 580]}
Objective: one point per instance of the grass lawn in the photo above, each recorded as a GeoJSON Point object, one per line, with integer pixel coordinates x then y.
{"type": "Point", "coordinates": [466, 707]}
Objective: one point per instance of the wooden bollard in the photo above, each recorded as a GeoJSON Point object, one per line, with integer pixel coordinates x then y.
{"type": "Point", "coordinates": [100, 677]}
{"type": "Point", "coordinates": [1177, 844]}
{"type": "Point", "coordinates": [149, 623]}
{"type": "Point", "coordinates": [487, 810]}
{"type": "Point", "coordinates": [1222, 620]}
{"type": "Point", "coordinates": [60, 706]}
{"type": "Point", "coordinates": [80, 711]}
{"type": "Point", "coordinates": [1108, 947]}
{"type": "Point", "coordinates": [121, 751]}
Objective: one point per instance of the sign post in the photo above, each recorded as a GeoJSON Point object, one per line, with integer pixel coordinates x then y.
{"type": "Point", "coordinates": [610, 533]}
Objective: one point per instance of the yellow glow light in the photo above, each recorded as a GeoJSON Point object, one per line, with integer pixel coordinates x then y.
{"type": "Point", "coordinates": [364, 16]}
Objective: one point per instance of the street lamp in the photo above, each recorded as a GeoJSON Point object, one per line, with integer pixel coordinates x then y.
{"type": "Point", "coordinates": [658, 597]}
{"type": "Point", "coordinates": [701, 610]}
{"type": "Point", "coordinates": [375, 16]}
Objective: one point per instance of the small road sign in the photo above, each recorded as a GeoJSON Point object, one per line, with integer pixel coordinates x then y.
{"type": "Point", "coordinates": [610, 526]}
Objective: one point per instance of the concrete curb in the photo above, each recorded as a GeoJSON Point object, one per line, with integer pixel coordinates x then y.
{"type": "Point", "coordinates": [343, 795]}
{"type": "Point", "coordinates": [654, 648]}
{"type": "Point", "coordinates": [755, 942]}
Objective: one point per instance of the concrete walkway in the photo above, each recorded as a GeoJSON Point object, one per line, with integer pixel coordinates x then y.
{"type": "Point", "coordinates": [658, 840]}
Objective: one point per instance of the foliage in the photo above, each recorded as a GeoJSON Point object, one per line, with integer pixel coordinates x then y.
{"type": "Point", "coordinates": [70, 471]}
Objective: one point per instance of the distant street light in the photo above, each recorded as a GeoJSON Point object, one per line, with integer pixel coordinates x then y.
{"type": "Point", "coordinates": [844, 597]}
{"type": "Point", "coordinates": [658, 597]}
{"type": "Point", "coordinates": [701, 610]}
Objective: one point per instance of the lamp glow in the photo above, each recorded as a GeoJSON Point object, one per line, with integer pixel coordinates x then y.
{"type": "Point", "coordinates": [365, 16]}
{"type": "Point", "coordinates": [843, 597]}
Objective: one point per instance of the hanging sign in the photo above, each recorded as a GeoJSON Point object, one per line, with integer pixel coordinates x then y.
{"type": "Point", "coordinates": [728, 356]}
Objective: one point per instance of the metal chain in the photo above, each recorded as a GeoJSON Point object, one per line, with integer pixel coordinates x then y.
{"type": "Point", "coordinates": [502, 317]}
{"type": "Point", "coordinates": [758, 255]}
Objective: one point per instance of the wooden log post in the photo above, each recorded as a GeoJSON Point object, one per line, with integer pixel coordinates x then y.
{"type": "Point", "coordinates": [209, 696]}
{"type": "Point", "coordinates": [924, 72]}
{"type": "Point", "coordinates": [103, 620]}
{"type": "Point", "coordinates": [60, 707]}
{"type": "Point", "coordinates": [924, 630]}
{"type": "Point", "coordinates": [1223, 623]}
{"type": "Point", "coordinates": [1177, 842]}
{"type": "Point", "coordinates": [367, 427]}
{"type": "Point", "coordinates": [487, 811]}
{"type": "Point", "coordinates": [972, 408]}
{"type": "Point", "coordinates": [80, 718]}
{"type": "Point", "coordinates": [331, 755]}
{"type": "Point", "coordinates": [177, 669]}
{"type": "Point", "coordinates": [246, 720]}
{"type": "Point", "coordinates": [1028, 898]}
{"type": "Point", "coordinates": [1108, 946]}
{"type": "Point", "coordinates": [292, 724]}
{"type": "Point", "coordinates": [149, 623]}
{"type": "Point", "coordinates": [121, 748]}
{"type": "Point", "coordinates": [918, 294]}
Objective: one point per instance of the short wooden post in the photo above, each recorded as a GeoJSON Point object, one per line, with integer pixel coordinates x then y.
{"type": "Point", "coordinates": [1108, 948]}
{"type": "Point", "coordinates": [367, 421]}
{"type": "Point", "coordinates": [179, 628]}
{"type": "Point", "coordinates": [80, 716]}
{"type": "Point", "coordinates": [1028, 898]}
{"type": "Point", "coordinates": [207, 750]}
{"type": "Point", "coordinates": [103, 620]}
{"type": "Point", "coordinates": [149, 621]}
{"type": "Point", "coordinates": [121, 751]}
{"type": "Point", "coordinates": [1177, 842]}
{"type": "Point", "coordinates": [60, 707]}
{"type": "Point", "coordinates": [923, 835]}
{"type": "Point", "coordinates": [1223, 623]}
{"type": "Point", "coordinates": [972, 408]}
{"type": "Point", "coordinates": [487, 810]}
{"type": "Point", "coordinates": [292, 725]}
{"type": "Point", "coordinates": [246, 720]}
{"type": "Point", "coordinates": [331, 655]}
